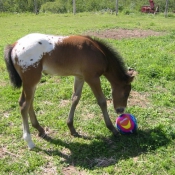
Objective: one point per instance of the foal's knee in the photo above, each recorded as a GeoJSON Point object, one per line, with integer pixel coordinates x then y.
{"type": "Point", "coordinates": [75, 99]}
{"type": "Point", "coordinates": [21, 102]}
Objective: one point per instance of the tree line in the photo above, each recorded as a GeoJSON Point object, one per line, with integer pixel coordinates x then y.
{"type": "Point", "coordinates": [66, 6]}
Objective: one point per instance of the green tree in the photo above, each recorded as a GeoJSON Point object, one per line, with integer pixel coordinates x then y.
{"type": "Point", "coordinates": [64, 6]}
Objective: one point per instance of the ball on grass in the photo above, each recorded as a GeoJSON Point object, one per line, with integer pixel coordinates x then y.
{"type": "Point", "coordinates": [126, 124]}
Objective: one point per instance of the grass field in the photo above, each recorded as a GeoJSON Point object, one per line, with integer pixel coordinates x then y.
{"type": "Point", "coordinates": [152, 101]}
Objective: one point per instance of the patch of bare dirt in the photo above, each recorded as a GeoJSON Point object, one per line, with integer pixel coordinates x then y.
{"type": "Point", "coordinates": [70, 170]}
{"type": "Point", "coordinates": [49, 169]}
{"type": "Point", "coordinates": [4, 151]}
{"type": "Point", "coordinates": [64, 103]}
{"type": "Point", "coordinates": [138, 99]}
{"type": "Point", "coordinates": [124, 33]}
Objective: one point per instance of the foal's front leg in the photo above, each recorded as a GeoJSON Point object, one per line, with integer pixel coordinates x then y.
{"type": "Point", "coordinates": [78, 85]}
{"type": "Point", "coordinates": [94, 83]}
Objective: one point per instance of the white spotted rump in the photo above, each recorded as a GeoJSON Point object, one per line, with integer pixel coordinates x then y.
{"type": "Point", "coordinates": [29, 50]}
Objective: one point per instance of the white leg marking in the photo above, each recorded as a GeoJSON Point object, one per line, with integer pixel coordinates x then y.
{"type": "Point", "coordinates": [29, 141]}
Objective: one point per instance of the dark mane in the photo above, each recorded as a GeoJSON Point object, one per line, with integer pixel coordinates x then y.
{"type": "Point", "coordinates": [115, 61]}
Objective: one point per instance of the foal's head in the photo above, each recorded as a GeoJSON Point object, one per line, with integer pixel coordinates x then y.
{"type": "Point", "coordinates": [121, 91]}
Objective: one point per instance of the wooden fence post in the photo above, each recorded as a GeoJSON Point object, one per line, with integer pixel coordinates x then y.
{"type": "Point", "coordinates": [74, 7]}
{"type": "Point", "coordinates": [116, 7]}
{"type": "Point", "coordinates": [35, 4]}
{"type": "Point", "coordinates": [166, 8]}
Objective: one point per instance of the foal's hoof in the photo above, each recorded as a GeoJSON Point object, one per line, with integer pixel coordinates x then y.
{"type": "Point", "coordinates": [42, 135]}
{"type": "Point", "coordinates": [31, 146]}
{"type": "Point", "coordinates": [75, 134]}
{"type": "Point", "coordinates": [115, 133]}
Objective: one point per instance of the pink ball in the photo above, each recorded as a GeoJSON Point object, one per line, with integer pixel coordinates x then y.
{"type": "Point", "coordinates": [126, 124]}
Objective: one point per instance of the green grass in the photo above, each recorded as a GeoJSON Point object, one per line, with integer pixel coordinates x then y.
{"type": "Point", "coordinates": [151, 151]}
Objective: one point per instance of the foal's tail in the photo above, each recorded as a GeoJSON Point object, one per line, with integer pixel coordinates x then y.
{"type": "Point", "coordinates": [13, 74]}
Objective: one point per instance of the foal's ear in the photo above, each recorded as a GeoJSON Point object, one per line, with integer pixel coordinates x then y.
{"type": "Point", "coordinates": [132, 73]}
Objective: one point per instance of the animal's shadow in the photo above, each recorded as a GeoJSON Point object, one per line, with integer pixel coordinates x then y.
{"type": "Point", "coordinates": [101, 151]}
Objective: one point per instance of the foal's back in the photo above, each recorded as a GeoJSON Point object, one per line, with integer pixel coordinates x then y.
{"type": "Point", "coordinates": [60, 55]}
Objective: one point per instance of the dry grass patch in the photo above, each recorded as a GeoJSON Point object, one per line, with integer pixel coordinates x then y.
{"type": "Point", "coordinates": [124, 33]}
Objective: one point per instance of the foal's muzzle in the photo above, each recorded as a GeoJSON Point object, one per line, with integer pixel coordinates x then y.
{"type": "Point", "coordinates": [120, 110]}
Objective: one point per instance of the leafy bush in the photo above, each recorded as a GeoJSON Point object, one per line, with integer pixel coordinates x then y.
{"type": "Point", "coordinates": [63, 6]}
{"type": "Point", "coordinates": [53, 7]}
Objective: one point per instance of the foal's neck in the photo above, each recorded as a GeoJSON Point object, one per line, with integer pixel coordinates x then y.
{"type": "Point", "coordinates": [114, 80]}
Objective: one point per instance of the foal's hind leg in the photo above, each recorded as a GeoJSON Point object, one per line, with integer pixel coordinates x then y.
{"type": "Point", "coordinates": [35, 122]}
{"type": "Point", "coordinates": [78, 85]}
{"type": "Point", "coordinates": [24, 103]}
{"type": "Point", "coordinates": [94, 83]}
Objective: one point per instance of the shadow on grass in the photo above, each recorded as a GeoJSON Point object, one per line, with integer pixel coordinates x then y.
{"type": "Point", "coordinates": [103, 152]}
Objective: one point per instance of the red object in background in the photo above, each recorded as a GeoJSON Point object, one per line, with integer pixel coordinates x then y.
{"type": "Point", "coordinates": [149, 8]}
{"type": "Point", "coordinates": [151, 4]}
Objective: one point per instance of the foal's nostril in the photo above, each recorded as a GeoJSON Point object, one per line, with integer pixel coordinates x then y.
{"type": "Point", "coordinates": [120, 110]}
